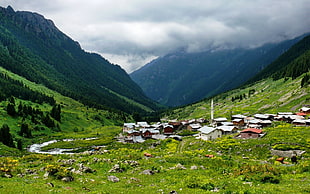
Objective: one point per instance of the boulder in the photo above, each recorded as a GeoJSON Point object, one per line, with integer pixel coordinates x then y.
{"type": "Point", "coordinates": [113, 179]}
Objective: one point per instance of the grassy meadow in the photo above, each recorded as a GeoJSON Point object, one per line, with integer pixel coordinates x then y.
{"type": "Point", "coordinates": [238, 165]}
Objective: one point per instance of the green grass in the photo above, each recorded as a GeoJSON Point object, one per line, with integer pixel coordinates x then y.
{"type": "Point", "coordinates": [239, 166]}
{"type": "Point", "coordinates": [284, 95]}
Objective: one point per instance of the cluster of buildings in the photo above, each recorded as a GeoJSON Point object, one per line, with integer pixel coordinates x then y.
{"type": "Point", "coordinates": [245, 126]}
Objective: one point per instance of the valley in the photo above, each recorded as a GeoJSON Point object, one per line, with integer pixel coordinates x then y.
{"type": "Point", "coordinates": [236, 165]}
{"type": "Point", "coordinates": [72, 122]}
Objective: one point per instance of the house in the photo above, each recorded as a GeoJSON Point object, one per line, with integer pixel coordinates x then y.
{"type": "Point", "coordinates": [168, 130]}
{"type": "Point", "coordinates": [301, 114]}
{"type": "Point", "coordinates": [238, 122]}
{"type": "Point", "coordinates": [219, 121]}
{"type": "Point", "coordinates": [176, 125]}
{"type": "Point", "coordinates": [148, 133]}
{"type": "Point", "coordinates": [143, 124]}
{"type": "Point", "coordinates": [265, 123]}
{"type": "Point", "coordinates": [299, 122]}
{"type": "Point", "coordinates": [262, 116]}
{"type": "Point", "coordinates": [227, 123]}
{"type": "Point", "coordinates": [193, 127]}
{"type": "Point", "coordinates": [251, 133]}
{"type": "Point", "coordinates": [284, 113]}
{"type": "Point", "coordinates": [133, 133]}
{"type": "Point", "coordinates": [253, 123]}
{"type": "Point", "coordinates": [305, 110]}
{"type": "Point", "coordinates": [209, 133]}
{"type": "Point", "coordinates": [128, 127]}
{"type": "Point", "coordinates": [227, 129]}
{"type": "Point", "coordinates": [238, 116]}
{"type": "Point", "coordinates": [291, 118]}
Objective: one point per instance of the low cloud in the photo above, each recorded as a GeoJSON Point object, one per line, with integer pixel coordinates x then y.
{"type": "Point", "coordinates": [132, 32]}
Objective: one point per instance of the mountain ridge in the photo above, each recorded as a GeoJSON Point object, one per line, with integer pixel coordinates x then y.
{"type": "Point", "coordinates": [183, 78]}
{"type": "Point", "coordinates": [42, 53]}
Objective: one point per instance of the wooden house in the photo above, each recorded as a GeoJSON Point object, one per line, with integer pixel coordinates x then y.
{"type": "Point", "coordinates": [238, 122]}
{"type": "Point", "coordinates": [128, 127]}
{"type": "Point", "coordinates": [194, 127]}
{"type": "Point", "coordinates": [148, 133]}
{"type": "Point", "coordinates": [305, 110]}
{"type": "Point", "coordinates": [299, 122]}
{"type": "Point", "coordinates": [219, 121]}
{"type": "Point", "coordinates": [251, 133]}
{"type": "Point", "coordinates": [168, 130]}
{"type": "Point", "coordinates": [226, 130]}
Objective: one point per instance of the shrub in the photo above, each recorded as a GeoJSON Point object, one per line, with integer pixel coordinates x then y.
{"type": "Point", "coordinates": [7, 166]}
{"type": "Point", "coordinates": [269, 178]}
{"type": "Point", "coordinates": [207, 186]}
{"type": "Point", "coordinates": [58, 171]}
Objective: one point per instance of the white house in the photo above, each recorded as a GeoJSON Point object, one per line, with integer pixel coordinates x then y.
{"type": "Point", "coordinates": [228, 129]}
{"type": "Point", "coordinates": [128, 127]}
{"type": "Point", "coordinates": [209, 133]}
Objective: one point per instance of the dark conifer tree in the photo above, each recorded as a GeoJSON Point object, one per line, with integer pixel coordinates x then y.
{"type": "Point", "coordinates": [5, 136]}
{"type": "Point", "coordinates": [11, 109]}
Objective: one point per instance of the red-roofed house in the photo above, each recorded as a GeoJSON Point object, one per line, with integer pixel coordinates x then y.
{"type": "Point", "coordinates": [301, 114]}
{"type": "Point", "coordinates": [251, 133]}
{"type": "Point", "coordinates": [305, 110]}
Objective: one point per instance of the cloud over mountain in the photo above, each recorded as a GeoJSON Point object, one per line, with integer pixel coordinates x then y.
{"type": "Point", "coordinates": [135, 31]}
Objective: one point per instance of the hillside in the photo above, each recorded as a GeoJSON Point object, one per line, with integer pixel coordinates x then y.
{"type": "Point", "coordinates": [292, 63]}
{"type": "Point", "coordinates": [266, 96]}
{"type": "Point", "coordinates": [33, 47]}
{"type": "Point", "coordinates": [34, 107]}
{"type": "Point", "coordinates": [224, 165]}
{"type": "Point", "coordinates": [183, 78]}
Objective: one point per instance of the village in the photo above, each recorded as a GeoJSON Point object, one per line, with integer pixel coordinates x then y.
{"type": "Point", "coordinates": [242, 126]}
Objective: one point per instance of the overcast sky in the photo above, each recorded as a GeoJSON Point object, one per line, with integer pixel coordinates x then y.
{"type": "Point", "coordinates": [132, 32]}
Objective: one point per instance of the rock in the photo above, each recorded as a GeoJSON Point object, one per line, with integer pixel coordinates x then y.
{"type": "Point", "coordinates": [50, 184]}
{"type": "Point", "coordinates": [8, 175]}
{"type": "Point", "coordinates": [148, 172]}
{"type": "Point", "coordinates": [67, 179]}
{"type": "Point", "coordinates": [74, 171]}
{"type": "Point", "coordinates": [46, 174]}
{"type": "Point", "coordinates": [85, 169]}
{"type": "Point", "coordinates": [116, 168]}
{"type": "Point", "coordinates": [134, 179]}
{"type": "Point", "coordinates": [32, 172]}
{"type": "Point", "coordinates": [132, 163]}
{"type": "Point", "coordinates": [180, 166]}
{"type": "Point", "coordinates": [113, 179]}
{"type": "Point", "coordinates": [20, 175]}
{"type": "Point", "coordinates": [194, 167]}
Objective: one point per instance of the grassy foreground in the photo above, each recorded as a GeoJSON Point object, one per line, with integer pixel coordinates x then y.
{"type": "Point", "coordinates": [238, 166]}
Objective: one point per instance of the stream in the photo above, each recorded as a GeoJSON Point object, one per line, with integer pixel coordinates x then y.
{"type": "Point", "coordinates": [36, 148]}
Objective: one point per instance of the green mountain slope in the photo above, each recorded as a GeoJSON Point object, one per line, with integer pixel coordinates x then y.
{"type": "Point", "coordinates": [292, 63]}
{"type": "Point", "coordinates": [266, 96]}
{"type": "Point", "coordinates": [282, 86]}
{"type": "Point", "coordinates": [34, 48]}
{"type": "Point", "coordinates": [183, 78]}
{"type": "Point", "coordinates": [33, 106]}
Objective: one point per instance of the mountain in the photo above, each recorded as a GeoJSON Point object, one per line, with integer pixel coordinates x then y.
{"type": "Point", "coordinates": [182, 78]}
{"type": "Point", "coordinates": [33, 47]}
{"type": "Point", "coordinates": [292, 63]}
{"type": "Point", "coordinates": [283, 86]}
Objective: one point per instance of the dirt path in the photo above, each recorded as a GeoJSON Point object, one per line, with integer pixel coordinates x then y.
{"type": "Point", "coordinates": [182, 145]}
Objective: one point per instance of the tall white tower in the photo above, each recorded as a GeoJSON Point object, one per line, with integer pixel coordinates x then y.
{"type": "Point", "coordinates": [212, 111]}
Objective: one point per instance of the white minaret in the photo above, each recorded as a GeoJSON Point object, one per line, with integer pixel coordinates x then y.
{"type": "Point", "coordinates": [212, 111]}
